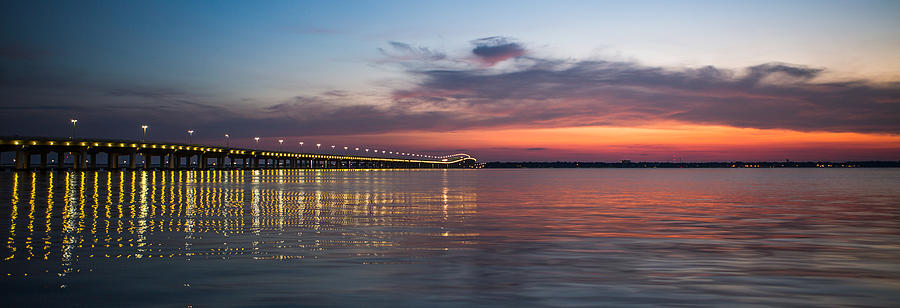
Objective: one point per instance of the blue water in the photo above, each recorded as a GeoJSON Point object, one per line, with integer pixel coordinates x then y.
{"type": "Point", "coordinates": [387, 238]}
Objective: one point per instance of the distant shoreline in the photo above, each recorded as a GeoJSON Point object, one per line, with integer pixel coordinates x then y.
{"type": "Point", "coordinates": [628, 164]}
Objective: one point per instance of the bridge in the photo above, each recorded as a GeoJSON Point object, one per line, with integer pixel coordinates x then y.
{"type": "Point", "coordinates": [87, 154]}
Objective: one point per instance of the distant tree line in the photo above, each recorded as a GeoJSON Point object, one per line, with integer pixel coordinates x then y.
{"type": "Point", "coordinates": [736, 164]}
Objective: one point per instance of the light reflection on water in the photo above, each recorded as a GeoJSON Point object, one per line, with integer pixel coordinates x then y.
{"type": "Point", "coordinates": [451, 237]}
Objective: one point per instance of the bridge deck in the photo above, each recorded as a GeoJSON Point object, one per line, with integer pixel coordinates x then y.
{"type": "Point", "coordinates": [83, 154]}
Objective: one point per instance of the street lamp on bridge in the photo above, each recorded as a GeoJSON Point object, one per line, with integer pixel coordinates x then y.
{"type": "Point", "coordinates": [190, 136]}
{"type": "Point", "coordinates": [73, 127]}
{"type": "Point", "coordinates": [257, 140]}
{"type": "Point", "coordinates": [144, 135]}
{"type": "Point", "coordinates": [227, 139]}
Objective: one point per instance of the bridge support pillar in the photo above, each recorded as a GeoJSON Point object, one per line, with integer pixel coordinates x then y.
{"type": "Point", "coordinates": [111, 161]}
{"type": "Point", "coordinates": [23, 160]}
{"type": "Point", "coordinates": [148, 158]}
{"type": "Point", "coordinates": [94, 160]}
{"type": "Point", "coordinates": [61, 160]}
{"type": "Point", "coordinates": [81, 160]}
{"type": "Point", "coordinates": [132, 160]}
{"type": "Point", "coordinates": [43, 160]}
{"type": "Point", "coordinates": [171, 161]}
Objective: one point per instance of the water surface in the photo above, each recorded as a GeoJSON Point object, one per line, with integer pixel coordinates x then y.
{"type": "Point", "coordinates": [545, 237]}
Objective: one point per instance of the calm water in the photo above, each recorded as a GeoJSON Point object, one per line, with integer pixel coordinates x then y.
{"type": "Point", "coordinates": [570, 237]}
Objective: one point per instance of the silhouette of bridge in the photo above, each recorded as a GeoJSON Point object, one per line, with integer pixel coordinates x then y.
{"type": "Point", "coordinates": [84, 154]}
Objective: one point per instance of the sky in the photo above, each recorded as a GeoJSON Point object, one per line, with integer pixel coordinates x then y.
{"type": "Point", "coordinates": [503, 81]}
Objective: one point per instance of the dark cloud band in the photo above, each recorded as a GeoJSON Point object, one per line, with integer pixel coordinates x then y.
{"type": "Point", "coordinates": [554, 93]}
{"type": "Point", "coordinates": [532, 93]}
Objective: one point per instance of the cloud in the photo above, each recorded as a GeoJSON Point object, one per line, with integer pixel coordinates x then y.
{"type": "Point", "coordinates": [144, 93]}
{"type": "Point", "coordinates": [403, 52]}
{"type": "Point", "coordinates": [161, 98]}
{"type": "Point", "coordinates": [491, 50]}
{"type": "Point", "coordinates": [553, 93]}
